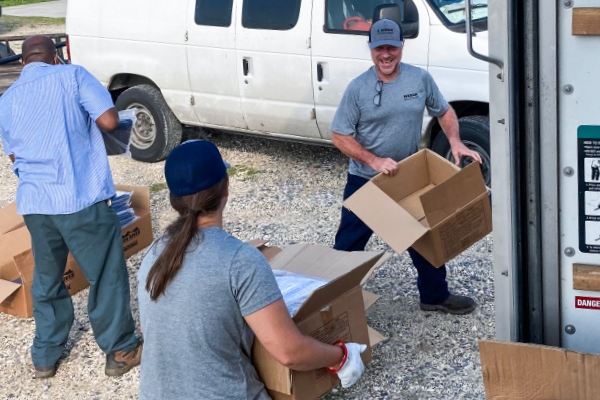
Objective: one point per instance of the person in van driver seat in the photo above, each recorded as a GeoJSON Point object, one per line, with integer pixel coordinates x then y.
{"type": "Point", "coordinates": [377, 124]}
{"type": "Point", "coordinates": [50, 121]}
{"type": "Point", "coordinates": [204, 295]}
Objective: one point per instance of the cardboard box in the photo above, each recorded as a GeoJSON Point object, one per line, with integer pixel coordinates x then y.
{"type": "Point", "coordinates": [137, 235]}
{"type": "Point", "coordinates": [16, 274]}
{"type": "Point", "coordinates": [16, 258]}
{"type": "Point", "coordinates": [518, 371]}
{"type": "Point", "coordinates": [9, 219]}
{"type": "Point", "coordinates": [334, 311]}
{"type": "Point", "coordinates": [430, 205]}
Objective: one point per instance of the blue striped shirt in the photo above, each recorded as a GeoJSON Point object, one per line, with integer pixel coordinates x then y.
{"type": "Point", "coordinates": [47, 121]}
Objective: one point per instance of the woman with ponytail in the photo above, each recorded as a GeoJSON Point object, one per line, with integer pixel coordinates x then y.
{"type": "Point", "coordinates": [204, 295]}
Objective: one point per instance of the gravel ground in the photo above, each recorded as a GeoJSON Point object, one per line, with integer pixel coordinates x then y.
{"type": "Point", "coordinates": [286, 193]}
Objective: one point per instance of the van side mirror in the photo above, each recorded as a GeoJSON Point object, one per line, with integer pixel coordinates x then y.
{"type": "Point", "coordinates": [405, 14]}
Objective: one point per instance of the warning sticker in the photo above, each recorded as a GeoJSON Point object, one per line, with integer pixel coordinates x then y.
{"type": "Point", "coordinates": [589, 303]}
{"type": "Point", "coordinates": [588, 140]}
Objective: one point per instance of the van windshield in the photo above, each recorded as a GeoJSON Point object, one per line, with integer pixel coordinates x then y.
{"type": "Point", "coordinates": [453, 12]}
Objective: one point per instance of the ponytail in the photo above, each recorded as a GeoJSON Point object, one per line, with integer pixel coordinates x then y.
{"type": "Point", "coordinates": [182, 235]}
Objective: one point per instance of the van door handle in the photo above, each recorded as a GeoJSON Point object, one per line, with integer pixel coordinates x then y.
{"type": "Point", "coordinates": [246, 67]}
{"type": "Point", "coordinates": [319, 72]}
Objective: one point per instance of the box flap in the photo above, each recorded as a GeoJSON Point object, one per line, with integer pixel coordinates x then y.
{"type": "Point", "coordinates": [7, 289]}
{"type": "Point", "coordinates": [369, 299]}
{"type": "Point", "coordinates": [25, 265]}
{"type": "Point", "coordinates": [412, 176]}
{"type": "Point", "coordinates": [439, 168]}
{"type": "Point", "coordinates": [140, 199]}
{"type": "Point", "coordinates": [345, 269]}
{"type": "Point", "coordinates": [385, 217]}
{"type": "Point", "coordinates": [9, 219]}
{"type": "Point", "coordinates": [524, 371]}
{"type": "Point", "coordinates": [385, 258]}
{"type": "Point", "coordinates": [375, 337]}
{"type": "Point", "coordinates": [258, 243]}
{"type": "Point", "coordinates": [12, 243]}
{"type": "Point", "coordinates": [455, 193]}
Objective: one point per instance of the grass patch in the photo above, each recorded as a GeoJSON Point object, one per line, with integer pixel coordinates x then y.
{"type": "Point", "coordinates": [10, 3]}
{"type": "Point", "coordinates": [242, 172]}
{"type": "Point", "coordinates": [157, 187]}
{"type": "Point", "coordinates": [10, 19]}
{"type": "Point", "coordinates": [9, 23]}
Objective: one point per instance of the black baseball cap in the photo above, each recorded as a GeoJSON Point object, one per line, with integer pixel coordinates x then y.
{"type": "Point", "coordinates": [194, 166]}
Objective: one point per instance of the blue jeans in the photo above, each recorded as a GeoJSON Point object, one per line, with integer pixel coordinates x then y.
{"type": "Point", "coordinates": [93, 236]}
{"type": "Point", "coordinates": [353, 235]}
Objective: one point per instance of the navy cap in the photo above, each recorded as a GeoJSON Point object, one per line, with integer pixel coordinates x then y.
{"type": "Point", "coordinates": [385, 32]}
{"type": "Point", "coordinates": [194, 166]}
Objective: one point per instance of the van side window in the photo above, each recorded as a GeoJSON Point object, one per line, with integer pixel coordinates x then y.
{"type": "Point", "coordinates": [213, 12]}
{"type": "Point", "coordinates": [270, 14]}
{"type": "Point", "coordinates": [352, 16]}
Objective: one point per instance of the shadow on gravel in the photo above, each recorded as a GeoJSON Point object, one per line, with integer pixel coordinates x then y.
{"type": "Point", "coordinates": [289, 151]}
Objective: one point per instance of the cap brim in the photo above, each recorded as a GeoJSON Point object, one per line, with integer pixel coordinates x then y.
{"type": "Point", "coordinates": [395, 43]}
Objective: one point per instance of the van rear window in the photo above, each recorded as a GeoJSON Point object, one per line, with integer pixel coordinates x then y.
{"type": "Point", "coordinates": [213, 12]}
{"type": "Point", "coordinates": [270, 14]}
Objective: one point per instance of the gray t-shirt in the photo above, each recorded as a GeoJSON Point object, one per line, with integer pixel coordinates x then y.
{"type": "Point", "coordinates": [197, 344]}
{"type": "Point", "coordinates": [392, 129]}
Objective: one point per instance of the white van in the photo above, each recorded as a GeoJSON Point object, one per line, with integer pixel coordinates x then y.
{"type": "Point", "coordinates": [276, 68]}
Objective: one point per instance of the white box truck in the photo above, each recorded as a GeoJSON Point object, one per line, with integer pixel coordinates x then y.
{"type": "Point", "coordinates": [271, 68]}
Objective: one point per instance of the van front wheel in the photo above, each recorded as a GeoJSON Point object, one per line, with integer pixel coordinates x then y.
{"type": "Point", "coordinates": [157, 130]}
{"type": "Point", "coordinates": [475, 134]}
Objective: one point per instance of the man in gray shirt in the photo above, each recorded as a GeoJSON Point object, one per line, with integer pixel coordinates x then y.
{"type": "Point", "coordinates": [378, 123]}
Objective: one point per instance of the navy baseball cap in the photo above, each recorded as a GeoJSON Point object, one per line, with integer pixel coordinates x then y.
{"type": "Point", "coordinates": [385, 32]}
{"type": "Point", "coordinates": [193, 166]}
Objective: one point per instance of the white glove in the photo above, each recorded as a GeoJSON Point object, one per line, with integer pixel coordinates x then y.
{"type": "Point", "coordinates": [353, 369]}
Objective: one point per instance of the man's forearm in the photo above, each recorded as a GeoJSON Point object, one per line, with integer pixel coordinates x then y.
{"type": "Point", "coordinates": [449, 124]}
{"type": "Point", "coordinates": [350, 147]}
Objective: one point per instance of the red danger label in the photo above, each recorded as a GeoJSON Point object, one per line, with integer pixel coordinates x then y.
{"type": "Point", "coordinates": [590, 303]}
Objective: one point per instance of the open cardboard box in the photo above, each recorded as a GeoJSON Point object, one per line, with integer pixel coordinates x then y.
{"type": "Point", "coordinates": [333, 312]}
{"type": "Point", "coordinates": [16, 258]}
{"type": "Point", "coordinates": [519, 371]}
{"type": "Point", "coordinates": [430, 205]}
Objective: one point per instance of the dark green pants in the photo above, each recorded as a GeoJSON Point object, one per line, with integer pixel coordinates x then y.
{"type": "Point", "coordinates": [93, 236]}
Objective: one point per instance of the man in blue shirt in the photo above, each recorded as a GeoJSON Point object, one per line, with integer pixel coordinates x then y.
{"type": "Point", "coordinates": [50, 122]}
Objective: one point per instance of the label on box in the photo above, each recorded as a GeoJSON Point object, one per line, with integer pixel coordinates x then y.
{"type": "Point", "coordinates": [337, 329]}
{"type": "Point", "coordinates": [462, 231]}
{"type": "Point", "coordinates": [588, 303]}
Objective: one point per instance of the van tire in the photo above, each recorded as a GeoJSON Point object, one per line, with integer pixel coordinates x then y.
{"type": "Point", "coordinates": [157, 130]}
{"type": "Point", "coordinates": [475, 134]}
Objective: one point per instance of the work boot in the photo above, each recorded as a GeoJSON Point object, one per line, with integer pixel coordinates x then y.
{"type": "Point", "coordinates": [45, 372]}
{"type": "Point", "coordinates": [454, 305]}
{"type": "Point", "coordinates": [121, 362]}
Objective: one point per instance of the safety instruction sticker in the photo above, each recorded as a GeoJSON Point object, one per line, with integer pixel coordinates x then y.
{"type": "Point", "coordinates": [588, 138]}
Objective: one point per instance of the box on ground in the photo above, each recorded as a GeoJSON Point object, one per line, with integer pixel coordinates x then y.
{"type": "Point", "coordinates": [430, 205]}
{"type": "Point", "coordinates": [519, 371]}
{"type": "Point", "coordinates": [336, 311]}
{"type": "Point", "coordinates": [16, 257]}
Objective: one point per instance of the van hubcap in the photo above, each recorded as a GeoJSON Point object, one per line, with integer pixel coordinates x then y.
{"type": "Point", "coordinates": [486, 165]}
{"type": "Point", "coordinates": [144, 130]}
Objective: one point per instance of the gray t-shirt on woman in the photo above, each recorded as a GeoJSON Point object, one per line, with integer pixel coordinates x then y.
{"type": "Point", "coordinates": [197, 344]}
{"type": "Point", "coordinates": [392, 129]}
